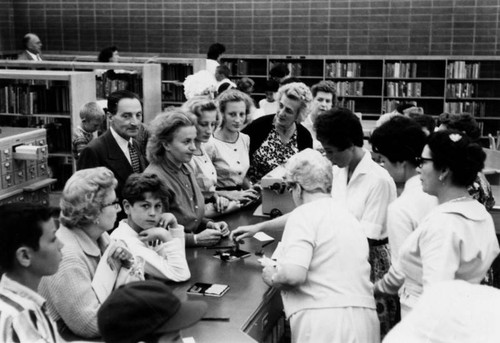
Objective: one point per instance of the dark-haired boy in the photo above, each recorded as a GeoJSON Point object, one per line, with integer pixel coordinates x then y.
{"type": "Point", "coordinates": [163, 250]}
{"type": "Point", "coordinates": [29, 250]}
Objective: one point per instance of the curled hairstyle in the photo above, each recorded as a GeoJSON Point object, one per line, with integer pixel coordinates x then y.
{"type": "Point", "coordinates": [233, 95]}
{"type": "Point", "coordinates": [215, 50]}
{"type": "Point", "coordinates": [465, 123]}
{"type": "Point", "coordinates": [399, 139]}
{"type": "Point", "coordinates": [137, 185]}
{"type": "Point", "coordinates": [115, 97]}
{"type": "Point", "coordinates": [310, 170]}
{"type": "Point", "coordinates": [199, 104]}
{"type": "Point", "coordinates": [339, 127]}
{"type": "Point", "coordinates": [163, 129]}
{"type": "Point", "coordinates": [452, 149]}
{"type": "Point", "coordinates": [299, 92]}
{"type": "Point", "coordinates": [83, 196]}
{"type": "Point", "coordinates": [326, 87]}
{"type": "Point", "coordinates": [106, 54]}
{"type": "Point", "coordinates": [21, 226]}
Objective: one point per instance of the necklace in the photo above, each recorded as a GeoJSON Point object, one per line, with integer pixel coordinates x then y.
{"type": "Point", "coordinates": [459, 199]}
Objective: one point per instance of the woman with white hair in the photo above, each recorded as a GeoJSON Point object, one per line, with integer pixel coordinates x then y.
{"type": "Point", "coordinates": [89, 206]}
{"type": "Point", "coordinates": [276, 137]}
{"type": "Point", "coordinates": [323, 270]}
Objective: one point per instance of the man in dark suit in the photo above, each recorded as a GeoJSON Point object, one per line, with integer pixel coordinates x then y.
{"type": "Point", "coordinates": [32, 48]}
{"type": "Point", "coordinates": [116, 149]}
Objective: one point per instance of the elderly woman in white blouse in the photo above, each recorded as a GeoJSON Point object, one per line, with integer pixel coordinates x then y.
{"type": "Point", "coordinates": [322, 271]}
{"type": "Point", "coordinates": [457, 239]}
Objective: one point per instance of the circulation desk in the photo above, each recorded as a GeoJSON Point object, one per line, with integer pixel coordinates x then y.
{"type": "Point", "coordinates": [255, 310]}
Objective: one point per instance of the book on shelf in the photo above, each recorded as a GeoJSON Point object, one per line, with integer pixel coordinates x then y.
{"type": "Point", "coordinates": [343, 69]}
{"type": "Point", "coordinates": [27, 98]}
{"type": "Point", "coordinates": [346, 88]}
{"type": "Point", "coordinates": [460, 90]}
{"type": "Point", "coordinates": [477, 109]}
{"type": "Point", "coordinates": [176, 72]}
{"type": "Point", "coordinates": [111, 82]}
{"type": "Point", "coordinates": [401, 69]}
{"type": "Point", "coordinates": [463, 70]}
{"type": "Point", "coordinates": [403, 89]}
{"type": "Point", "coordinates": [173, 93]}
{"type": "Point", "coordinates": [349, 104]}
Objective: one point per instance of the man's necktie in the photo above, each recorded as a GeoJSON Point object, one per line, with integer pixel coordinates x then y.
{"type": "Point", "coordinates": [134, 158]}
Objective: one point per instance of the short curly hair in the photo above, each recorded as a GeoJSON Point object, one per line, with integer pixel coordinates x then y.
{"type": "Point", "coordinates": [198, 104]}
{"type": "Point", "coordinates": [233, 95]}
{"type": "Point", "coordinates": [311, 170]}
{"type": "Point", "coordinates": [454, 150]}
{"type": "Point", "coordinates": [83, 196]}
{"type": "Point", "coordinates": [339, 127]}
{"type": "Point", "coordinates": [163, 129]}
{"type": "Point", "coordinates": [300, 92]}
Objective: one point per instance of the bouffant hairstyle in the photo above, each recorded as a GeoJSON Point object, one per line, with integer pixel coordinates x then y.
{"type": "Point", "coordinates": [465, 123]}
{"type": "Point", "coordinates": [83, 196]}
{"type": "Point", "coordinates": [233, 95]}
{"type": "Point", "coordinates": [399, 139]}
{"type": "Point", "coordinates": [311, 170]}
{"type": "Point", "coordinates": [215, 50]}
{"type": "Point", "coordinates": [163, 129]}
{"type": "Point", "coordinates": [106, 54]}
{"type": "Point", "coordinates": [454, 150]}
{"type": "Point", "coordinates": [199, 104]}
{"type": "Point", "coordinates": [300, 92]}
{"type": "Point", "coordinates": [339, 127]}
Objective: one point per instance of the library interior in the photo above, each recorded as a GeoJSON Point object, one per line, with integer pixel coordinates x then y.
{"type": "Point", "coordinates": [250, 86]}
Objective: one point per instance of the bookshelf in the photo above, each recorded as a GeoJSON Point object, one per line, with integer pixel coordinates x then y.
{"type": "Point", "coordinates": [374, 85]}
{"type": "Point", "coordinates": [50, 100]}
{"type": "Point", "coordinates": [143, 79]}
{"type": "Point", "coordinates": [174, 71]}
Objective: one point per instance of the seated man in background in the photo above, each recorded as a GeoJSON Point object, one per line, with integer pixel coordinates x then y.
{"type": "Point", "coordinates": [92, 116]}
{"type": "Point", "coordinates": [32, 48]}
{"type": "Point", "coordinates": [144, 200]}
{"type": "Point", "coordinates": [147, 311]}
{"type": "Point", "coordinates": [29, 250]}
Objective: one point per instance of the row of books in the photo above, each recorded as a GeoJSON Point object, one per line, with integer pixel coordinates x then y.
{"type": "Point", "coordinates": [477, 109]}
{"type": "Point", "coordinates": [343, 69]}
{"type": "Point", "coordinates": [463, 70]}
{"type": "Point", "coordinates": [350, 104]}
{"type": "Point", "coordinates": [346, 88]}
{"type": "Point", "coordinates": [176, 72]}
{"type": "Point", "coordinates": [107, 84]}
{"type": "Point", "coordinates": [26, 98]}
{"type": "Point", "coordinates": [401, 69]}
{"type": "Point", "coordinates": [403, 89]}
{"type": "Point", "coordinates": [172, 92]}
{"type": "Point", "coordinates": [389, 105]}
{"type": "Point", "coordinates": [460, 90]}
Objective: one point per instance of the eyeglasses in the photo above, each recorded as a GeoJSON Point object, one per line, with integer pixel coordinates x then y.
{"type": "Point", "coordinates": [115, 203]}
{"type": "Point", "coordinates": [420, 160]}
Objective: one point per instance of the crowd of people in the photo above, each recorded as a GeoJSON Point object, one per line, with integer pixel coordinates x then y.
{"type": "Point", "coordinates": [355, 260]}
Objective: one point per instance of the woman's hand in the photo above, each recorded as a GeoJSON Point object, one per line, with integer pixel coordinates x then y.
{"type": "Point", "coordinates": [267, 274]}
{"type": "Point", "coordinates": [244, 196]}
{"type": "Point", "coordinates": [244, 232]}
{"type": "Point", "coordinates": [208, 237]}
{"type": "Point", "coordinates": [221, 203]}
{"type": "Point", "coordinates": [167, 220]}
{"type": "Point", "coordinates": [155, 236]}
{"type": "Point", "coordinates": [119, 255]}
{"type": "Point", "coordinates": [221, 226]}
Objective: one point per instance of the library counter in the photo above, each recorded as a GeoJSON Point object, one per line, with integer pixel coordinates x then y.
{"type": "Point", "coordinates": [250, 311]}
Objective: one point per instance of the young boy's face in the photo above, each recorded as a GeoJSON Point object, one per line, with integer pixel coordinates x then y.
{"type": "Point", "coordinates": [270, 96]}
{"type": "Point", "coordinates": [144, 214]}
{"type": "Point", "coordinates": [92, 125]}
{"type": "Point", "coordinates": [45, 260]}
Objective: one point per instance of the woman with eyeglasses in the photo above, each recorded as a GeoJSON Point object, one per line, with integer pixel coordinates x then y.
{"type": "Point", "coordinates": [457, 239]}
{"type": "Point", "coordinates": [400, 142]}
{"type": "Point", "coordinates": [322, 270]}
{"type": "Point", "coordinates": [88, 211]}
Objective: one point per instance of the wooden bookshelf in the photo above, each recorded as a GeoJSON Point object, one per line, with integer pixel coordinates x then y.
{"type": "Point", "coordinates": [374, 85]}
{"type": "Point", "coordinates": [50, 100]}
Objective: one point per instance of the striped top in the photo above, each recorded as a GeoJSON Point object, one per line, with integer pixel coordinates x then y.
{"type": "Point", "coordinates": [23, 317]}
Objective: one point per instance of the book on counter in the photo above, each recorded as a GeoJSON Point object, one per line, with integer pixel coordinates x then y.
{"type": "Point", "coordinates": [208, 289]}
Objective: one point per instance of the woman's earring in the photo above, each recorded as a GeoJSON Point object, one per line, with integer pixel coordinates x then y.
{"type": "Point", "coordinates": [96, 221]}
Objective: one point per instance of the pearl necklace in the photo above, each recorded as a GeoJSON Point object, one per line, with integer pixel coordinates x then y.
{"type": "Point", "coordinates": [459, 199]}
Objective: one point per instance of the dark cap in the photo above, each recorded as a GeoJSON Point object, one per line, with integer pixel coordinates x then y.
{"type": "Point", "coordinates": [140, 309]}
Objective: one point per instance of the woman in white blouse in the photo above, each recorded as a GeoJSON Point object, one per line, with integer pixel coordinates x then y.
{"type": "Point", "coordinates": [207, 116]}
{"type": "Point", "coordinates": [457, 239]}
{"type": "Point", "coordinates": [229, 147]}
